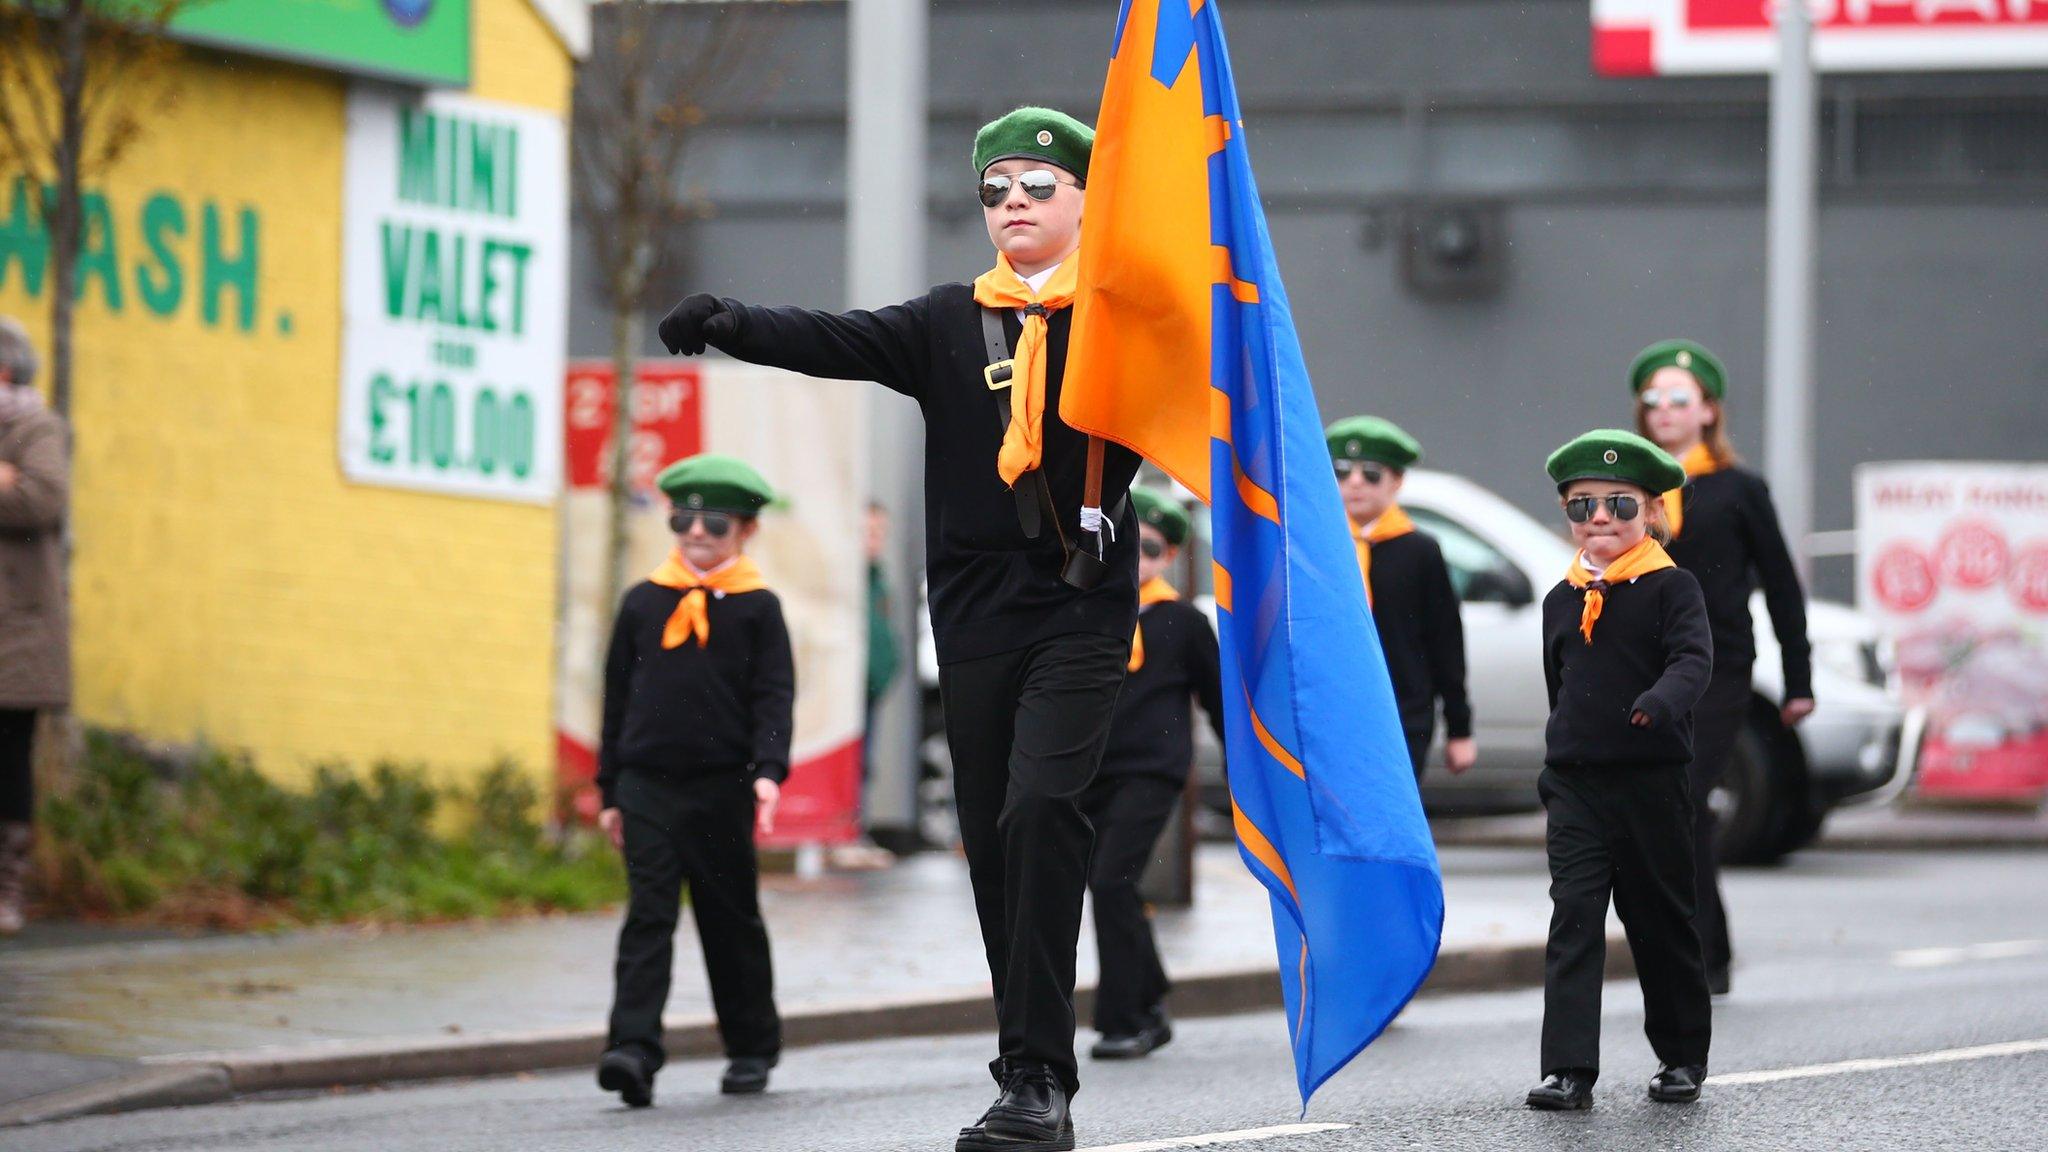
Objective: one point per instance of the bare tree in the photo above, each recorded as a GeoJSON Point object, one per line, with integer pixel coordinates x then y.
{"type": "Point", "coordinates": [653, 71]}
{"type": "Point", "coordinates": [79, 79]}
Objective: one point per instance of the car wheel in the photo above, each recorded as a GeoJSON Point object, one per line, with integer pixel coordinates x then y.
{"type": "Point", "coordinates": [1748, 804]}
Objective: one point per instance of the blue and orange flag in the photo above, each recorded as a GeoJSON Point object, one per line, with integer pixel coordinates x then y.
{"type": "Point", "coordinates": [1184, 350]}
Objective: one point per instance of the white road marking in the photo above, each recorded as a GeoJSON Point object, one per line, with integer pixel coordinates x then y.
{"type": "Point", "coordinates": [1212, 1139]}
{"type": "Point", "coordinates": [1879, 1064]}
{"type": "Point", "coordinates": [1941, 957]}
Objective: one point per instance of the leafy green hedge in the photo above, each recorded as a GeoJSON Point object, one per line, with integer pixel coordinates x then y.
{"type": "Point", "coordinates": [213, 842]}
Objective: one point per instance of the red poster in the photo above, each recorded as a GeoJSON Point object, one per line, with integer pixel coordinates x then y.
{"type": "Point", "coordinates": [668, 420]}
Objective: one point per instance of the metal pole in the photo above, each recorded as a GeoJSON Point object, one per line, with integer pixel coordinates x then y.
{"type": "Point", "coordinates": [1789, 328]}
{"type": "Point", "coordinates": [885, 253]}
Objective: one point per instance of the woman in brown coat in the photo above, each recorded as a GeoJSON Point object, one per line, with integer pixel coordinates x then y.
{"type": "Point", "coordinates": [35, 627]}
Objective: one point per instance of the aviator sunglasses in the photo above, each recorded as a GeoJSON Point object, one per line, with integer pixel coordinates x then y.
{"type": "Point", "coordinates": [1579, 509]}
{"type": "Point", "coordinates": [1666, 398]}
{"type": "Point", "coordinates": [1039, 184]}
{"type": "Point", "coordinates": [716, 524]}
{"type": "Point", "coordinates": [1152, 549]}
{"type": "Point", "coordinates": [1373, 473]}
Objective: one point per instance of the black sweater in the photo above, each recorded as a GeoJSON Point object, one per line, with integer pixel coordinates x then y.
{"type": "Point", "coordinates": [1731, 541]}
{"type": "Point", "coordinates": [1416, 610]}
{"type": "Point", "coordinates": [992, 589]}
{"type": "Point", "coordinates": [689, 712]}
{"type": "Point", "coordinates": [1652, 650]}
{"type": "Point", "coordinates": [1153, 733]}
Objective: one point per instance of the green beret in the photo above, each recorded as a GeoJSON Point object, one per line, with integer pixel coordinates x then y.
{"type": "Point", "coordinates": [1611, 454]}
{"type": "Point", "coordinates": [1162, 512]}
{"type": "Point", "coordinates": [1374, 439]}
{"type": "Point", "coordinates": [715, 483]}
{"type": "Point", "coordinates": [1704, 366]}
{"type": "Point", "coordinates": [1035, 134]}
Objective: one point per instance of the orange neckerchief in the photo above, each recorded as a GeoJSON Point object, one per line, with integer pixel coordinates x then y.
{"type": "Point", "coordinates": [1646, 557]}
{"type": "Point", "coordinates": [1698, 462]}
{"type": "Point", "coordinates": [691, 617]}
{"type": "Point", "coordinates": [1001, 287]}
{"type": "Point", "coordinates": [1391, 524]}
{"type": "Point", "coordinates": [1153, 591]}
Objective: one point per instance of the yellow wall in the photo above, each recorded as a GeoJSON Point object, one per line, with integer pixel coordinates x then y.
{"type": "Point", "coordinates": [228, 583]}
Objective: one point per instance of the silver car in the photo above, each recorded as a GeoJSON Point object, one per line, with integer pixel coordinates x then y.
{"type": "Point", "coordinates": [1859, 743]}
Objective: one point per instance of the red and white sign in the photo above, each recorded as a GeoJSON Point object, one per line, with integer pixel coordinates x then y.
{"type": "Point", "coordinates": [1702, 37]}
{"type": "Point", "coordinates": [1954, 558]}
{"type": "Point", "coordinates": [668, 420]}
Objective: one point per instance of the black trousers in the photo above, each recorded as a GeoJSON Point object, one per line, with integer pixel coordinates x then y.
{"type": "Point", "coordinates": [1419, 740]}
{"type": "Point", "coordinates": [1624, 831]}
{"type": "Point", "coordinates": [1027, 730]}
{"type": "Point", "coordinates": [700, 833]}
{"type": "Point", "coordinates": [1717, 721]}
{"type": "Point", "coordinates": [17, 765]}
{"type": "Point", "coordinates": [1129, 813]}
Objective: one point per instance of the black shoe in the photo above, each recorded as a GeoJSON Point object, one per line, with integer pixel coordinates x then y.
{"type": "Point", "coordinates": [1717, 980]}
{"type": "Point", "coordinates": [746, 1075]}
{"type": "Point", "coordinates": [1570, 1090]}
{"type": "Point", "coordinates": [627, 1074]}
{"type": "Point", "coordinates": [1156, 1034]}
{"type": "Point", "coordinates": [1030, 1116]}
{"type": "Point", "coordinates": [1677, 1083]}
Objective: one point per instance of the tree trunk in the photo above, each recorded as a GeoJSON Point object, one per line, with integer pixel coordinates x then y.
{"type": "Point", "coordinates": [625, 360]}
{"type": "Point", "coordinates": [66, 213]}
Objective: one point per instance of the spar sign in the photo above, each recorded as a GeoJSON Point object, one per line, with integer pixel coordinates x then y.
{"type": "Point", "coordinates": [1953, 557]}
{"type": "Point", "coordinates": [1698, 37]}
{"type": "Point", "coordinates": [455, 285]}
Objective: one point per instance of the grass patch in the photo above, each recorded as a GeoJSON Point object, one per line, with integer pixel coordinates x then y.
{"type": "Point", "coordinates": [209, 841]}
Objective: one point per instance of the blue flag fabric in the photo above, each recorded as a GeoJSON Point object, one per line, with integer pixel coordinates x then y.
{"type": "Point", "coordinates": [1184, 323]}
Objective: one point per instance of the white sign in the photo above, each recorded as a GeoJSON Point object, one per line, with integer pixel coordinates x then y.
{"type": "Point", "coordinates": [1944, 545]}
{"type": "Point", "coordinates": [1695, 37]}
{"type": "Point", "coordinates": [455, 296]}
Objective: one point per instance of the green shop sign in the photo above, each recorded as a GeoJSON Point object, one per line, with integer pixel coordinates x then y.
{"type": "Point", "coordinates": [418, 41]}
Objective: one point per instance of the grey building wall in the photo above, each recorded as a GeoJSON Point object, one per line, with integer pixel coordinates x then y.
{"type": "Point", "coordinates": [1629, 211]}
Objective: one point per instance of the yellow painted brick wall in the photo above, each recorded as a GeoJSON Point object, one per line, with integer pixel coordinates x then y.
{"type": "Point", "coordinates": [228, 583]}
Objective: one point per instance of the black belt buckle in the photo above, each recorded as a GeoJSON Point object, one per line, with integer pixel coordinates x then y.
{"type": "Point", "coordinates": [1084, 569]}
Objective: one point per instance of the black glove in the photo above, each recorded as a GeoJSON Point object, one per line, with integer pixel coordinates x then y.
{"type": "Point", "coordinates": [699, 320]}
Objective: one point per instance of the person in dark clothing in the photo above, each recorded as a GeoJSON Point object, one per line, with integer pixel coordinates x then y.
{"type": "Point", "coordinates": [1144, 771]}
{"type": "Point", "coordinates": [1030, 663]}
{"type": "Point", "coordinates": [1725, 532]}
{"type": "Point", "coordinates": [1627, 651]}
{"type": "Point", "coordinates": [699, 693]}
{"type": "Point", "coordinates": [1414, 605]}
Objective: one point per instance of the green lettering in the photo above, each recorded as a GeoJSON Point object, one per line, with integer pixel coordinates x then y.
{"type": "Point", "coordinates": [218, 272]}
{"type": "Point", "coordinates": [161, 287]}
{"type": "Point", "coordinates": [418, 156]}
{"type": "Point", "coordinates": [427, 278]}
{"type": "Point", "coordinates": [24, 238]}
{"type": "Point", "coordinates": [511, 208]}
{"type": "Point", "coordinates": [97, 256]}
{"type": "Point", "coordinates": [459, 244]}
{"type": "Point", "coordinates": [519, 253]}
{"type": "Point", "coordinates": [483, 169]}
{"type": "Point", "coordinates": [381, 390]}
{"type": "Point", "coordinates": [397, 267]}
{"type": "Point", "coordinates": [487, 274]}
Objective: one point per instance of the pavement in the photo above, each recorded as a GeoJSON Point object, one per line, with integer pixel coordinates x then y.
{"type": "Point", "coordinates": [1883, 1000]}
{"type": "Point", "coordinates": [98, 1020]}
{"type": "Point", "coordinates": [1916, 826]}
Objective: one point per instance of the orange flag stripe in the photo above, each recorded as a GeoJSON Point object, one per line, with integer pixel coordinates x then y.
{"type": "Point", "coordinates": [1226, 273]}
{"type": "Point", "coordinates": [1257, 499]}
{"type": "Point", "coordinates": [1262, 849]}
{"type": "Point", "coordinates": [1222, 582]}
{"type": "Point", "coordinates": [1273, 747]}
